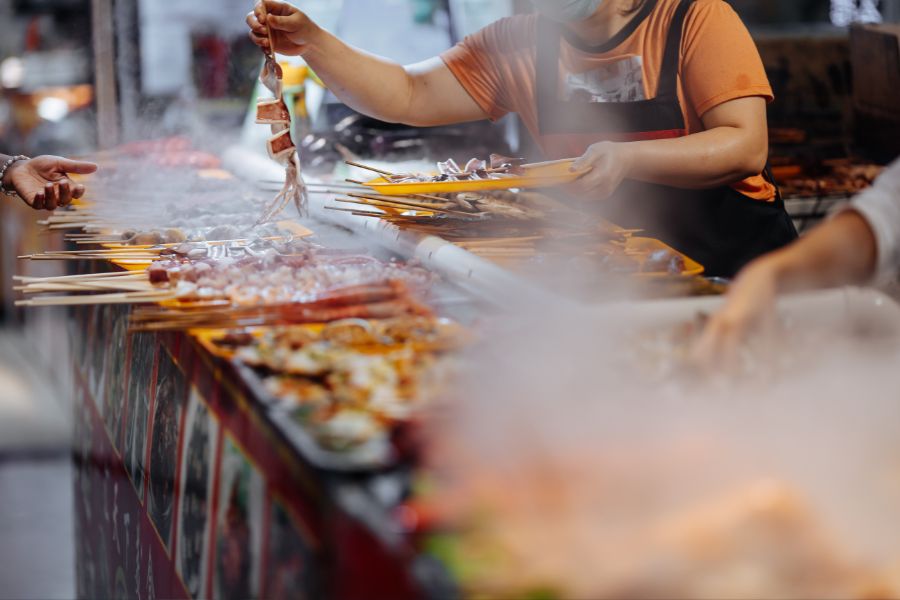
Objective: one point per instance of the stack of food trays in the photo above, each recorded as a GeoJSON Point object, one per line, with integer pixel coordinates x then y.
{"type": "Point", "coordinates": [492, 210]}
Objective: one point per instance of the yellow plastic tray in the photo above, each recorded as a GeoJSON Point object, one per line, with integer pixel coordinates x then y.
{"type": "Point", "coordinates": [538, 175]}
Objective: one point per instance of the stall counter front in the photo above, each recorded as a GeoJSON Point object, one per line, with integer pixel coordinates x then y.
{"type": "Point", "coordinates": [185, 488]}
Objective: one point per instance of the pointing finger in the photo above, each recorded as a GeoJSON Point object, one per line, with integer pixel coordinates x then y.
{"type": "Point", "coordinates": [77, 166]}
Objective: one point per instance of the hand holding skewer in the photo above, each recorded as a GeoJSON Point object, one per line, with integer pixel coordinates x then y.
{"type": "Point", "coordinates": [43, 182]}
{"type": "Point", "coordinates": [280, 27]}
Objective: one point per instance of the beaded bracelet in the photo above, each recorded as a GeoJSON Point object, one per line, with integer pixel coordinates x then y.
{"type": "Point", "coordinates": [4, 168]}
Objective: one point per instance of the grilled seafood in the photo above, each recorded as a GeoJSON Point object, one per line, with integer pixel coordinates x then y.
{"type": "Point", "coordinates": [349, 380]}
{"type": "Point", "coordinates": [497, 167]}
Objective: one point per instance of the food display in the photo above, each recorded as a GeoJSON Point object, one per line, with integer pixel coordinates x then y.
{"type": "Point", "coordinates": [349, 382]}
{"type": "Point", "coordinates": [279, 278]}
{"type": "Point", "coordinates": [309, 368]}
{"type": "Point", "coordinates": [841, 177]}
{"type": "Point", "coordinates": [523, 230]}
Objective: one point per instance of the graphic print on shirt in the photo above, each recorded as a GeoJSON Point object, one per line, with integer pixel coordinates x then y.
{"type": "Point", "coordinates": [617, 80]}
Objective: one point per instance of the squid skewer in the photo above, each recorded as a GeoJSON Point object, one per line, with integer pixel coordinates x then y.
{"type": "Point", "coordinates": [274, 113]}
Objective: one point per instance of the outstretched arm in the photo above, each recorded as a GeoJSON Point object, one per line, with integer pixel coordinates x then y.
{"type": "Point", "coordinates": [424, 94]}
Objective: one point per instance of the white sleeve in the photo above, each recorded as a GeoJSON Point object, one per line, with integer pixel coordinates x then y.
{"type": "Point", "coordinates": [880, 207]}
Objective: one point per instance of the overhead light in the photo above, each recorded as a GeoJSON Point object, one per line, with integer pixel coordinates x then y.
{"type": "Point", "coordinates": [12, 72]}
{"type": "Point", "coordinates": [53, 109]}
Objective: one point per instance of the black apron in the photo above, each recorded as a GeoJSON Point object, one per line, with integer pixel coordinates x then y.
{"type": "Point", "coordinates": [720, 228]}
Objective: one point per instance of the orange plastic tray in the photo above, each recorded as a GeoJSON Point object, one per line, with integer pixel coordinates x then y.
{"type": "Point", "coordinates": [645, 244]}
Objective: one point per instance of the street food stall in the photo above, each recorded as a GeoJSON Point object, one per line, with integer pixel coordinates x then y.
{"type": "Point", "coordinates": [366, 363]}
{"type": "Point", "coordinates": [255, 401]}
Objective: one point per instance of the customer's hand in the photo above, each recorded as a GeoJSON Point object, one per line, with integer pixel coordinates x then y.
{"type": "Point", "coordinates": [291, 30]}
{"type": "Point", "coordinates": [43, 182]}
{"type": "Point", "coordinates": [749, 308]}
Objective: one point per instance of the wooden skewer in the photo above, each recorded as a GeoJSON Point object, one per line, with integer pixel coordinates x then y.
{"type": "Point", "coordinates": [501, 241]}
{"type": "Point", "coordinates": [359, 213]}
{"type": "Point", "coordinates": [388, 205]}
{"type": "Point", "coordinates": [122, 285]}
{"type": "Point", "coordinates": [403, 199]}
{"type": "Point", "coordinates": [133, 259]}
{"type": "Point", "coordinates": [404, 204]}
{"type": "Point", "coordinates": [368, 168]}
{"type": "Point", "coordinates": [335, 191]}
{"type": "Point", "coordinates": [86, 276]}
{"type": "Point", "coordinates": [430, 197]}
{"type": "Point", "coordinates": [119, 298]}
{"type": "Point", "coordinates": [110, 251]}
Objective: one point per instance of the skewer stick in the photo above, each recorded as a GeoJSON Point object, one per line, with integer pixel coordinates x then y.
{"type": "Point", "coordinates": [403, 204]}
{"type": "Point", "coordinates": [359, 213]}
{"type": "Point", "coordinates": [500, 241]}
{"type": "Point", "coordinates": [87, 276]}
{"type": "Point", "coordinates": [368, 168]}
{"type": "Point", "coordinates": [405, 200]}
{"type": "Point", "coordinates": [120, 298]}
{"type": "Point", "coordinates": [271, 51]}
{"type": "Point", "coordinates": [331, 184]}
{"type": "Point", "coordinates": [388, 205]}
{"type": "Point", "coordinates": [121, 285]}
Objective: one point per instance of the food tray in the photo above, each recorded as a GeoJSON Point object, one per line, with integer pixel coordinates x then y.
{"type": "Point", "coordinates": [644, 244]}
{"type": "Point", "coordinates": [538, 175]}
{"type": "Point", "coordinates": [364, 459]}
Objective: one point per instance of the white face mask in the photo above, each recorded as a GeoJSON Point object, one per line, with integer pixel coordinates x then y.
{"type": "Point", "coordinates": [567, 11]}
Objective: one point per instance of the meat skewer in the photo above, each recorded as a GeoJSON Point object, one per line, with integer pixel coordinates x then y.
{"type": "Point", "coordinates": [281, 147]}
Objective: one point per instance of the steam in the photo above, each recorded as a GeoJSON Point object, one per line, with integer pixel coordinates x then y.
{"type": "Point", "coordinates": [591, 474]}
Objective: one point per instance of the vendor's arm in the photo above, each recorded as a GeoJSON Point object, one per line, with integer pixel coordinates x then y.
{"type": "Point", "coordinates": [423, 94]}
{"type": "Point", "coordinates": [733, 146]}
{"type": "Point", "coordinates": [43, 182]}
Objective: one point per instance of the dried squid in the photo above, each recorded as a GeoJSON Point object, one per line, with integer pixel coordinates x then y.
{"type": "Point", "coordinates": [274, 112]}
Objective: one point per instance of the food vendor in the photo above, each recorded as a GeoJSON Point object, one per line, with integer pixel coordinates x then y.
{"type": "Point", "coordinates": [42, 182]}
{"type": "Point", "coordinates": [860, 244]}
{"type": "Point", "coordinates": [663, 100]}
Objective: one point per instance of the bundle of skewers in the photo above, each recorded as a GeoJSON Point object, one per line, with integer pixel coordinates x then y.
{"type": "Point", "coordinates": [504, 226]}
{"type": "Point", "coordinates": [422, 208]}
{"type": "Point", "coordinates": [239, 285]}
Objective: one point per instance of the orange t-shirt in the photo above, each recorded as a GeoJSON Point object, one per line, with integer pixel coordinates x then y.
{"type": "Point", "coordinates": [719, 62]}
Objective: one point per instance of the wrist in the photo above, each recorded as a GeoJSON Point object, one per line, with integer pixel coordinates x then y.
{"type": "Point", "coordinates": [776, 267]}
{"type": "Point", "coordinates": [314, 41]}
{"type": "Point", "coordinates": [8, 166]}
{"type": "Point", "coordinates": [630, 157]}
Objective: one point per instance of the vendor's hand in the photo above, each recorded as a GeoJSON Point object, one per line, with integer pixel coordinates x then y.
{"type": "Point", "coordinates": [749, 309]}
{"type": "Point", "coordinates": [607, 165]}
{"type": "Point", "coordinates": [43, 182]}
{"type": "Point", "coordinates": [291, 29]}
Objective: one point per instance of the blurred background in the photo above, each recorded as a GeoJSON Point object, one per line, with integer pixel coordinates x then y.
{"type": "Point", "coordinates": [81, 75]}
